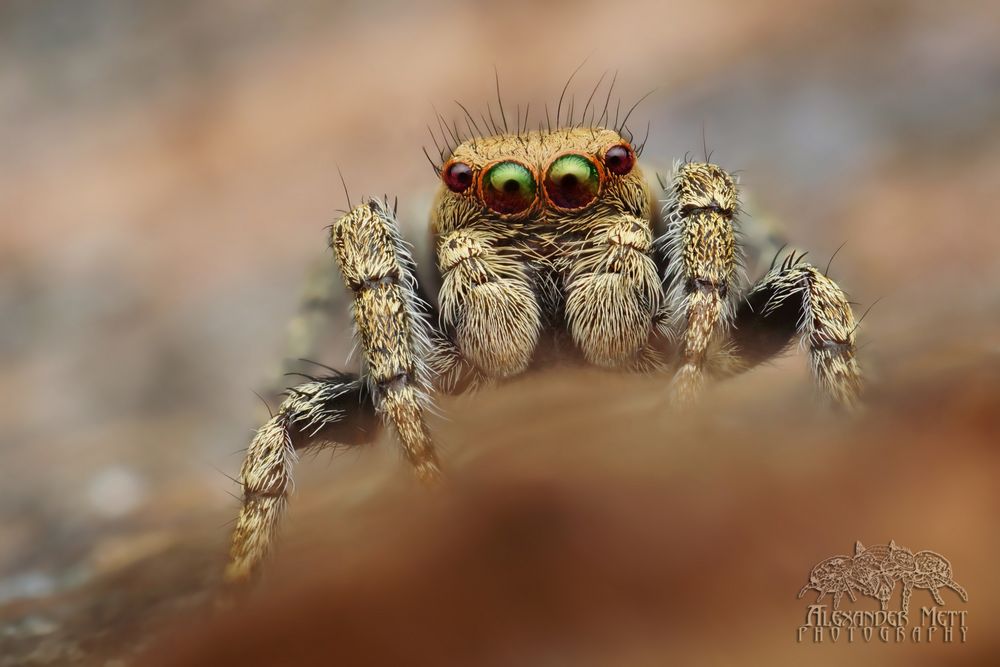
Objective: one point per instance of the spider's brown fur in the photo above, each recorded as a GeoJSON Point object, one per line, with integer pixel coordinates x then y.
{"type": "Point", "coordinates": [622, 282]}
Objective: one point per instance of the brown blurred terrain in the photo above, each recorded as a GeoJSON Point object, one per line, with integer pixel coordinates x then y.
{"type": "Point", "coordinates": [166, 171]}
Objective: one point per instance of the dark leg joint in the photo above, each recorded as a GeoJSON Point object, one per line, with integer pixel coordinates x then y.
{"type": "Point", "coordinates": [714, 207]}
{"type": "Point", "coordinates": [832, 345]}
{"type": "Point", "coordinates": [706, 285]}
{"type": "Point", "coordinates": [371, 283]}
{"type": "Point", "coordinates": [250, 495]}
{"type": "Point", "coordinates": [396, 382]}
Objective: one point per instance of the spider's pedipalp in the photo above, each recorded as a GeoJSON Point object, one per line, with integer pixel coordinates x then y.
{"type": "Point", "coordinates": [613, 293]}
{"type": "Point", "coordinates": [488, 302]}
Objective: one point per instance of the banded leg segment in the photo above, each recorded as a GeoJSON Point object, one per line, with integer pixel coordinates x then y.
{"type": "Point", "coordinates": [329, 411]}
{"type": "Point", "coordinates": [701, 266]}
{"type": "Point", "coordinates": [390, 326]}
{"type": "Point", "coordinates": [797, 299]}
{"type": "Point", "coordinates": [613, 294]}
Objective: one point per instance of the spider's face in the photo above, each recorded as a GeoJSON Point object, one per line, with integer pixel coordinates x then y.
{"type": "Point", "coordinates": [543, 177]}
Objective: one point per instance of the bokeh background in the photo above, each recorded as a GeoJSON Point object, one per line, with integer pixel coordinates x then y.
{"type": "Point", "coordinates": [166, 172]}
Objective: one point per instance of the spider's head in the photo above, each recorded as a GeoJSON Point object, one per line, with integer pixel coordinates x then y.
{"type": "Point", "coordinates": [541, 176]}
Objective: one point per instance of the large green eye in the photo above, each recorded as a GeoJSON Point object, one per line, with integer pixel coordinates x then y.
{"type": "Point", "coordinates": [572, 181]}
{"type": "Point", "coordinates": [509, 187]}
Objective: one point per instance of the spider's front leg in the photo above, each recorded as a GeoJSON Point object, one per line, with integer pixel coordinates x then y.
{"type": "Point", "coordinates": [798, 299]}
{"type": "Point", "coordinates": [700, 251]}
{"type": "Point", "coordinates": [343, 409]}
{"type": "Point", "coordinates": [394, 336]}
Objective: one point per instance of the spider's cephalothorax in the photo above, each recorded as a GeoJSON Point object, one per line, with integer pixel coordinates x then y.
{"type": "Point", "coordinates": [548, 244]}
{"type": "Point", "coordinates": [546, 231]}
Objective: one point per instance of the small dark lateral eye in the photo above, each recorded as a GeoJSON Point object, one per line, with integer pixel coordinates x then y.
{"type": "Point", "coordinates": [619, 159]}
{"type": "Point", "coordinates": [457, 176]}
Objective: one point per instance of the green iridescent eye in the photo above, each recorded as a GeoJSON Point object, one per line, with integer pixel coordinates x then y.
{"type": "Point", "coordinates": [572, 181]}
{"type": "Point", "coordinates": [509, 187]}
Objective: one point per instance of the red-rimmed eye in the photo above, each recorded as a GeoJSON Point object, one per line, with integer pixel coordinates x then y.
{"type": "Point", "coordinates": [619, 159]}
{"type": "Point", "coordinates": [572, 181]}
{"type": "Point", "coordinates": [457, 176]}
{"type": "Point", "coordinates": [509, 187]}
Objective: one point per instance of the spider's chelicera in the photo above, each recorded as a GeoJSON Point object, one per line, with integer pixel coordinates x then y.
{"type": "Point", "coordinates": [548, 244]}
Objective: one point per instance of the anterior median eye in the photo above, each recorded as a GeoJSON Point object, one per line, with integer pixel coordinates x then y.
{"type": "Point", "coordinates": [509, 187]}
{"type": "Point", "coordinates": [572, 181]}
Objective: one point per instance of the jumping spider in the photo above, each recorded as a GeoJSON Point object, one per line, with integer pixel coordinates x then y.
{"type": "Point", "coordinates": [548, 243]}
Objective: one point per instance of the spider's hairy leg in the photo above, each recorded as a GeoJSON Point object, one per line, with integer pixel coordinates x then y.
{"type": "Point", "coordinates": [488, 303]}
{"type": "Point", "coordinates": [701, 254]}
{"type": "Point", "coordinates": [329, 411]}
{"type": "Point", "coordinates": [798, 299]}
{"type": "Point", "coordinates": [390, 325]}
{"type": "Point", "coordinates": [613, 293]}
